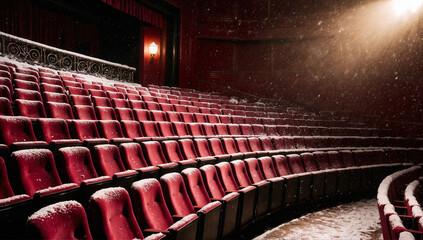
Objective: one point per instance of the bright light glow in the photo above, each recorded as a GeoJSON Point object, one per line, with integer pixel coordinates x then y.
{"type": "Point", "coordinates": [153, 48]}
{"type": "Point", "coordinates": [402, 7]}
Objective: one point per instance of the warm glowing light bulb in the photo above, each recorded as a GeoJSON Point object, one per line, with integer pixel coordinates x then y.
{"type": "Point", "coordinates": [153, 48]}
{"type": "Point", "coordinates": [406, 6]}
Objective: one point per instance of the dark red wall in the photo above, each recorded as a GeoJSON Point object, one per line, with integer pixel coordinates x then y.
{"type": "Point", "coordinates": [287, 50]}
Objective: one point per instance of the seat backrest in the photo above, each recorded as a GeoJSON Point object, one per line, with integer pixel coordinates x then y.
{"type": "Point", "coordinates": [254, 144]}
{"type": "Point", "coordinates": [200, 118]}
{"type": "Point", "coordinates": [80, 100]}
{"type": "Point", "coordinates": [105, 113]}
{"type": "Point", "coordinates": [166, 129]}
{"type": "Point", "coordinates": [110, 129]}
{"type": "Point", "coordinates": [172, 151]}
{"type": "Point", "coordinates": [111, 215]}
{"type": "Point", "coordinates": [281, 165]}
{"type": "Point", "coordinates": [213, 118]}
{"type": "Point", "coordinates": [115, 95]}
{"type": "Point", "coordinates": [187, 117]}
{"type": "Point", "coordinates": [226, 176]}
{"type": "Point", "coordinates": [173, 116]}
{"type": "Point", "coordinates": [124, 114]}
{"type": "Point", "coordinates": [150, 129]}
{"type": "Point", "coordinates": [107, 160]}
{"type": "Point", "coordinates": [84, 129]}
{"type": "Point", "coordinates": [78, 91]}
{"type": "Point", "coordinates": [29, 108]}
{"type": "Point", "coordinates": [242, 144]}
{"type": "Point", "coordinates": [222, 129]}
{"type": "Point", "coordinates": [209, 129]}
{"type": "Point", "coordinates": [267, 167]}
{"type": "Point", "coordinates": [53, 129]}
{"type": "Point", "coordinates": [84, 112]}
{"type": "Point", "coordinates": [120, 103]}
{"type": "Point", "coordinates": [266, 143]}
{"type": "Point", "coordinates": [195, 129]}
{"type": "Point", "coordinates": [346, 158]}
{"type": "Point", "coordinates": [16, 129]}
{"type": "Point", "coordinates": [5, 107]}
{"type": "Point", "coordinates": [152, 105]}
{"type": "Point", "coordinates": [164, 104]}
{"type": "Point", "coordinates": [131, 129]}
{"type": "Point", "coordinates": [26, 94]}
{"type": "Point", "coordinates": [75, 165]}
{"type": "Point", "coordinates": [334, 161]}
{"type": "Point", "coordinates": [149, 205]}
{"type": "Point", "coordinates": [225, 119]}
{"type": "Point", "coordinates": [295, 163]}
{"type": "Point", "coordinates": [322, 160]}
{"type": "Point", "coordinates": [98, 93]}
{"type": "Point", "coordinates": [132, 156]}
{"type": "Point", "coordinates": [61, 220]}
{"type": "Point", "coordinates": [158, 116]}
{"type": "Point", "coordinates": [309, 162]}
{"type": "Point", "coordinates": [258, 129]}
{"type": "Point", "coordinates": [153, 153]}
{"type": "Point", "coordinates": [195, 187]}
{"type": "Point", "coordinates": [246, 129]}
{"type": "Point", "coordinates": [176, 195]}
{"type": "Point", "coordinates": [142, 115]}
{"type": "Point", "coordinates": [234, 129]}
{"type": "Point", "coordinates": [137, 104]}
{"type": "Point", "coordinates": [212, 183]}
{"type": "Point", "coordinates": [216, 146]}
{"type": "Point", "coordinates": [188, 149]}
{"type": "Point", "coordinates": [202, 147]}
{"type": "Point", "coordinates": [253, 169]}
{"type": "Point", "coordinates": [101, 101]}
{"type": "Point", "coordinates": [33, 170]}
{"type": "Point", "coordinates": [180, 129]}
{"type": "Point", "coordinates": [55, 97]}
{"type": "Point", "coordinates": [22, 84]}
{"type": "Point", "coordinates": [230, 146]}
{"type": "Point", "coordinates": [60, 110]}
{"type": "Point", "coordinates": [241, 174]}
{"type": "Point", "coordinates": [5, 188]}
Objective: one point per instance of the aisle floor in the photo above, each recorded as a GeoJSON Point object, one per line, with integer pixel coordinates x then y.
{"type": "Point", "coordinates": [357, 220]}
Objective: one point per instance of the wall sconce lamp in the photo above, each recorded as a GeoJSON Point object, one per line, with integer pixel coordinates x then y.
{"type": "Point", "coordinates": [152, 49]}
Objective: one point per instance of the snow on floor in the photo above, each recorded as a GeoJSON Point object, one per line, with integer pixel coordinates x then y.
{"type": "Point", "coordinates": [357, 220]}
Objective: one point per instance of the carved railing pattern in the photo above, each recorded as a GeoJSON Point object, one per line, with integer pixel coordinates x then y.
{"type": "Point", "coordinates": [36, 53]}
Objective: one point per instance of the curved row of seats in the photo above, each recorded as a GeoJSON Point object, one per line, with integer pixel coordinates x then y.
{"type": "Point", "coordinates": [39, 178]}
{"type": "Point", "coordinates": [399, 208]}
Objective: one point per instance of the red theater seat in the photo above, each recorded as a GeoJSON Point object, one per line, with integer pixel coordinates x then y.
{"type": "Point", "coordinates": [34, 173]}
{"type": "Point", "coordinates": [219, 152]}
{"type": "Point", "coordinates": [45, 87]}
{"type": "Point", "coordinates": [296, 165]}
{"type": "Point", "coordinates": [153, 153]}
{"type": "Point", "coordinates": [5, 107]}
{"type": "Point", "coordinates": [111, 215]}
{"type": "Point", "coordinates": [173, 154]}
{"type": "Point", "coordinates": [86, 131]}
{"type": "Point", "coordinates": [124, 114]}
{"type": "Point", "coordinates": [263, 188]}
{"type": "Point", "coordinates": [105, 113]}
{"type": "Point", "coordinates": [61, 220]}
{"type": "Point", "coordinates": [59, 110]}
{"type": "Point", "coordinates": [142, 115]}
{"type": "Point", "coordinates": [153, 214]}
{"type": "Point", "coordinates": [179, 203]}
{"type": "Point", "coordinates": [166, 130]}
{"type": "Point", "coordinates": [101, 101]}
{"type": "Point", "coordinates": [190, 152]}
{"type": "Point", "coordinates": [181, 129]}
{"type": "Point", "coordinates": [112, 130]}
{"type": "Point", "coordinates": [77, 91]}
{"type": "Point", "coordinates": [22, 94]}
{"type": "Point", "coordinates": [136, 104]}
{"type": "Point", "coordinates": [26, 85]}
{"type": "Point", "coordinates": [55, 97]}
{"type": "Point", "coordinates": [133, 158]}
{"type": "Point", "coordinates": [247, 194]}
{"type": "Point", "coordinates": [56, 133]}
{"type": "Point", "coordinates": [120, 103]}
{"type": "Point", "coordinates": [84, 112]}
{"type": "Point", "coordinates": [31, 109]}
{"type": "Point", "coordinates": [17, 133]}
{"type": "Point", "coordinates": [158, 116]}
{"type": "Point", "coordinates": [132, 130]}
{"type": "Point", "coordinates": [80, 100]}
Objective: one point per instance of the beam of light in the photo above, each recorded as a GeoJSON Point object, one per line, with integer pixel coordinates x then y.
{"type": "Point", "coordinates": [402, 7]}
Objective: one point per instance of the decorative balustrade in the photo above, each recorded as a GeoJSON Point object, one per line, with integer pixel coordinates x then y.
{"type": "Point", "coordinates": [36, 53]}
